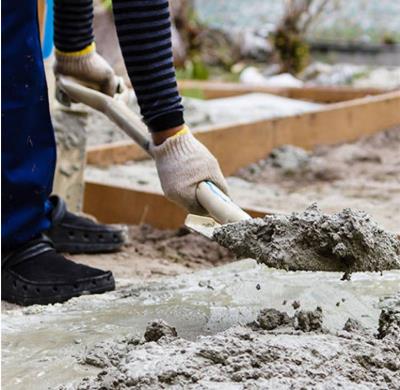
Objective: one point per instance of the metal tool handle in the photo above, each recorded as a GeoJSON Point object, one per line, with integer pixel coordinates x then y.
{"type": "Point", "coordinates": [219, 205]}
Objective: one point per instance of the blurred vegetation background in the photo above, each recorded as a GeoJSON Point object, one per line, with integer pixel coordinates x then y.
{"type": "Point", "coordinates": [220, 38]}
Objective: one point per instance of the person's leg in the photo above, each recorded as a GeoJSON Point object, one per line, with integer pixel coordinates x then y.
{"type": "Point", "coordinates": [32, 271]}
{"type": "Point", "coordinates": [28, 147]}
{"type": "Point", "coordinates": [75, 56]}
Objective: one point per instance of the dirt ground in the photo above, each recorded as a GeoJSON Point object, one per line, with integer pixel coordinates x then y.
{"type": "Point", "coordinates": [152, 253]}
{"type": "Point", "coordinates": [363, 175]}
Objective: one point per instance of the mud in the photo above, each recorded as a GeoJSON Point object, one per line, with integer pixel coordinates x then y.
{"type": "Point", "coordinates": [389, 320]}
{"type": "Point", "coordinates": [312, 241]}
{"type": "Point", "coordinates": [43, 342]}
{"type": "Point", "coordinates": [271, 318]}
{"type": "Point", "coordinates": [250, 356]}
{"type": "Point", "coordinates": [178, 245]}
{"type": "Point", "coordinates": [309, 320]}
{"type": "Point", "coordinates": [304, 320]}
{"type": "Point", "coordinates": [158, 329]}
{"type": "Point", "coordinates": [374, 158]}
{"type": "Point", "coordinates": [352, 325]}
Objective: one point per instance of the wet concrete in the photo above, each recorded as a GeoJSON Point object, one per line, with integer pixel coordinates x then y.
{"type": "Point", "coordinates": [300, 354]}
{"type": "Point", "coordinates": [313, 241]}
{"type": "Point", "coordinates": [44, 344]}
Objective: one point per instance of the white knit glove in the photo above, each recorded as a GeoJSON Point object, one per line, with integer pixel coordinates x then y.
{"type": "Point", "coordinates": [89, 67]}
{"type": "Point", "coordinates": [182, 163]}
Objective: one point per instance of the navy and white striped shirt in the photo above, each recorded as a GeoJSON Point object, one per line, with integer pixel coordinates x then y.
{"type": "Point", "coordinates": [144, 32]}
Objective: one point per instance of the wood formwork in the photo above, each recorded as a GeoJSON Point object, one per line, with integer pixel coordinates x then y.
{"type": "Point", "coordinates": [252, 141]}
{"type": "Point", "coordinates": [114, 204]}
{"type": "Point", "coordinates": [236, 146]}
{"type": "Point", "coordinates": [319, 94]}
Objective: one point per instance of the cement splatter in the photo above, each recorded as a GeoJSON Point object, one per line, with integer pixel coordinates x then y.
{"type": "Point", "coordinates": [389, 320]}
{"type": "Point", "coordinates": [249, 357]}
{"type": "Point", "coordinates": [309, 320]}
{"type": "Point", "coordinates": [304, 320]}
{"type": "Point", "coordinates": [347, 241]}
{"type": "Point", "coordinates": [352, 325]}
{"type": "Point", "coordinates": [157, 329]}
{"type": "Point", "coordinates": [271, 318]}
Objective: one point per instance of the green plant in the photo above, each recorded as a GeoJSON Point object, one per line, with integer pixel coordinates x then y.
{"type": "Point", "coordinates": [289, 38]}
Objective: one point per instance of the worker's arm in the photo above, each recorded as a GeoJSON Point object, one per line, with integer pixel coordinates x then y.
{"type": "Point", "coordinates": [75, 53]}
{"type": "Point", "coordinates": [144, 32]}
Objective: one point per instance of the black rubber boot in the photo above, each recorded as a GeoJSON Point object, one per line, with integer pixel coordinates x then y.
{"type": "Point", "coordinates": [72, 233]}
{"type": "Point", "coordinates": [37, 274]}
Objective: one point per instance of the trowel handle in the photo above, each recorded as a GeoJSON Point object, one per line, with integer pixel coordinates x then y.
{"type": "Point", "coordinates": [219, 205]}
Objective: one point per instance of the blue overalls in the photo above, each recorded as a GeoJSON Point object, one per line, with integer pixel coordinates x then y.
{"type": "Point", "coordinates": [28, 151]}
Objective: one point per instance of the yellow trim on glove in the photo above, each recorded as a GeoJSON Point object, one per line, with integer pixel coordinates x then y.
{"type": "Point", "coordinates": [183, 131]}
{"type": "Point", "coordinates": [88, 49]}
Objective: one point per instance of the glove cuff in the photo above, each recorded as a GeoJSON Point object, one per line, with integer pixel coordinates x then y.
{"type": "Point", "coordinates": [176, 146]}
{"type": "Point", "coordinates": [74, 54]}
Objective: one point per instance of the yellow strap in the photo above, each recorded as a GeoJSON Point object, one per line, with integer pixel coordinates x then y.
{"type": "Point", "coordinates": [86, 50]}
{"type": "Point", "coordinates": [184, 130]}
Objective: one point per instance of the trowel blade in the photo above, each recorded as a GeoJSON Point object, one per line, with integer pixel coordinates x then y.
{"type": "Point", "coordinates": [202, 225]}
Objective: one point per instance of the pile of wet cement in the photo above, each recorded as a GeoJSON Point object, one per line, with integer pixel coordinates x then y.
{"type": "Point", "coordinates": [275, 350]}
{"type": "Point", "coordinates": [348, 241]}
{"type": "Point", "coordinates": [374, 159]}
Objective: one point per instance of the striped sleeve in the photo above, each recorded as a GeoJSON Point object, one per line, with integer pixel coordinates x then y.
{"type": "Point", "coordinates": [73, 24]}
{"type": "Point", "coordinates": [144, 32]}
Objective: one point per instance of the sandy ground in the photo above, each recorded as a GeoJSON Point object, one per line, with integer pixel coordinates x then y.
{"type": "Point", "coordinates": [364, 175]}
{"type": "Point", "coordinates": [152, 253]}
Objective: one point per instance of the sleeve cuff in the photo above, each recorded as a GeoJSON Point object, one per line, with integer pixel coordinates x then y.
{"type": "Point", "coordinates": [166, 121]}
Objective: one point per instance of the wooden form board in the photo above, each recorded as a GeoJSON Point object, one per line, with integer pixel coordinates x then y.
{"type": "Point", "coordinates": [238, 145]}
{"type": "Point", "coordinates": [113, 204]}
{"type": "Point", "coordinates": [41, 4]}
{"type": "Point", "coordinates": [213, 90]}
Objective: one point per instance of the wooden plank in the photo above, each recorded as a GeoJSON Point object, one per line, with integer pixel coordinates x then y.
{"type": "Point", "coordinates": [114, 153]}
{"type": "Point", "coordinates": [236, 146]}
{"type": "Point", "coordinates": [113, 204]}
{"type": "Point", "coordinates": [320, 94]}
{"type": "Point", "coordinates": [41, 6]}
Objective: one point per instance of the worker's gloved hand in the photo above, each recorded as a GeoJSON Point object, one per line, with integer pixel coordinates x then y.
{"type": "Point", "coordinates": [89, 67]}
{"type": "Point", "coordinates": [182, 163]}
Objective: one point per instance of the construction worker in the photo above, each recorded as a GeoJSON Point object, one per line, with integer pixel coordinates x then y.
{"type": "Point", "coordinates": [34, 224]}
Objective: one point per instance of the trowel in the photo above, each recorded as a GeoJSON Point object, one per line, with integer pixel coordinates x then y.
{"type": "Point", "coordinates": [220, 207]}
